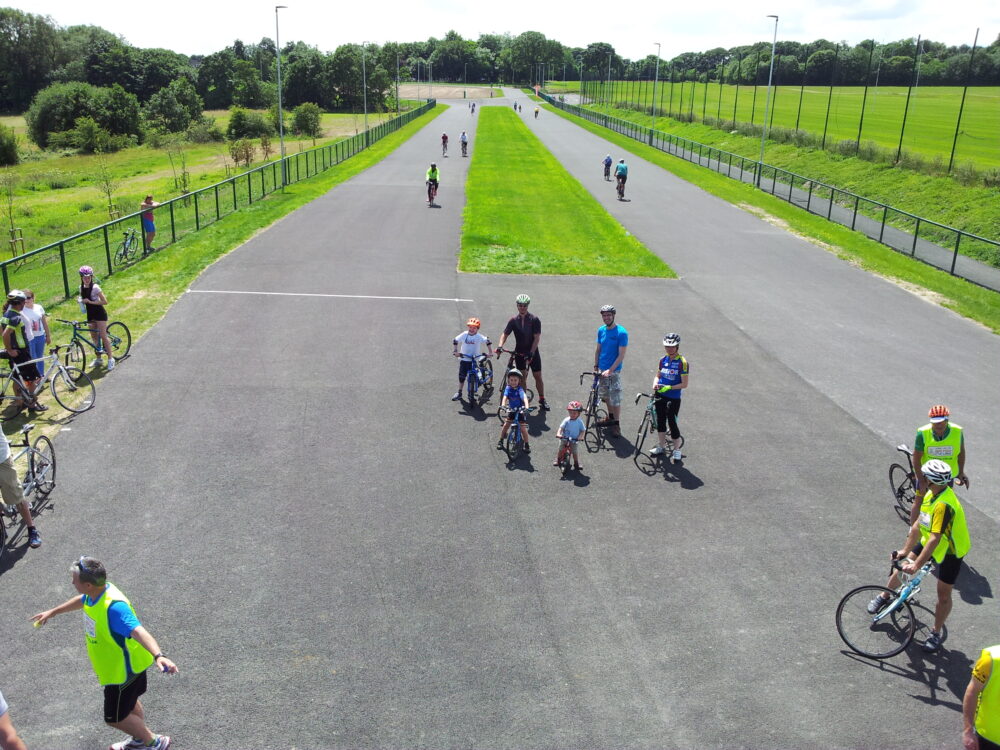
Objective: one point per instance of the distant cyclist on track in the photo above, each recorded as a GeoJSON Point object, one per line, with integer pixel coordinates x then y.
{"type": "Point", "coordinates": [444, 144]}
{"type": "Point", "coordinates": [621, 176]}
{"type": "Point", "coordinates": [433, 180]}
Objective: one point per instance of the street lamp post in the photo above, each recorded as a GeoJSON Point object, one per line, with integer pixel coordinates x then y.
{"type": "Point", "coordinates": [281, 117]}
{"type": "Point", "coordinates": [364, 89]}
{"type": "Point", "coordinates": [656, 78]}
{"type": "Point", "coordinates": [767, 104]}
{"type": "Point", "coordinates": [397, 85]}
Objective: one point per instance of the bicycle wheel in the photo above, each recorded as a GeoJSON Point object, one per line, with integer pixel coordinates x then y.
{"type": "Point", "coordinates": [593, 438]}
{"type": "Point", "coordinates": [513, 444]}
{"type": "Point", "coordinates": [121, 254]}
{"type": "Point", "coordinates": [868, 637]}
{"type": "Point", "coordinates": [902, 487]}
{"type": "Point", "coordinates": [42, 466]}
{"type": "Point", "coordinates": [487, 372]}
{"type": "Point", "coordinates": [645, 427]}
{"type": "Point", "coordinates": [121, 339]}
{"type": "Point", "coordinates": [73, 389]}
{"type": "Point", "coordinates": [75, 356]}
{"type": "Point", "coordinates": [471, 389]}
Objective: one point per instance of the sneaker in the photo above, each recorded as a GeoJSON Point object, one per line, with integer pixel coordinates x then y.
{"type": "Point", "coordinates": [657, 451]}
{"type": "Point", "coordinates": [676, 455]}
{"type": "Point", "coordinates": [129, 744]}
{"type": "Point", "coordinates": [162, 743]}
{"type": "Point", "coordinates": [527, 448]}
{"type": "Point", "coordinates": [111, 363]}
{"type": "Point", "coordinates": [500, 444]}
{"type": "Point", "coordinates": [544, 405]}
{"type": "Point", "coordinates": [876, 604]}
{"type": "Point", "coordinates": [933, 642]}
{"type": "Point", "coordinates": [98, 362]}
{"type": "Point", "coordinates": [35, 406]}
{"type": "Point", "coordinates": [34, 539]}
{"type": "Point", "coordinates": [556, 462]}
{"type": "Point", "coordinates": [457, 396]}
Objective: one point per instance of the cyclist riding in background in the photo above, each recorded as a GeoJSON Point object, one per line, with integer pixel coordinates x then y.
{"type": "Point", "coordinates": [607, 167]}
{"type": "Point", "coordinates": [464, 140]}
{"type": "Point", "coordinates": [433, 178]}
{"type": "Point", "coordinates": [621, 173]}
{"type": "Point", "coordinates": [444, 144]}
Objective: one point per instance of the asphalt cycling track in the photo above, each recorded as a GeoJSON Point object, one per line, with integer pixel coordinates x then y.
{"type": "Point", "coordinates": [336, 555]}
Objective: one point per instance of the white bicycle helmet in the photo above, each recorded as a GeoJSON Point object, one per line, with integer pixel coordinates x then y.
{"type": "Point", "coordinates": [522, 299]}
{"type": "Point", "coordinates": [936, 471]}
{"type": "Point", "coordinates": [672, 339]}
{"type": "Point", "coordinates": [608, 309]}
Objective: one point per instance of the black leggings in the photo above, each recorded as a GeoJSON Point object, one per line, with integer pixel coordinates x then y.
{"type": "Point", "coordinates": [666, 413]}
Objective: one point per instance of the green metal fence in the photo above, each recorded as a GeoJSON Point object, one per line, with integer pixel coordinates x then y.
{"type": "Point", "coordinates": [50, 271]}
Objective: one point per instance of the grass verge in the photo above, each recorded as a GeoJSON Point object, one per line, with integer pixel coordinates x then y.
{"type": "Point", "coordinates": [545, 223]}
{"type": "Point", "coordinates": [142, 294]}
{"type": "Point", "coordinates": [968, 300]}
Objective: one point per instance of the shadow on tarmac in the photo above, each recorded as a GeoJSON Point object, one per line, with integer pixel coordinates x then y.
{"type": "Point", "coordinates": [973, 586]}
{"type": "Point", "coordinates": [672, 472]}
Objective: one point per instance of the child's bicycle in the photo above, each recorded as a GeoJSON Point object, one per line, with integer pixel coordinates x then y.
{"type": "Point", "coordinates": [39, 480]}
{"type": "Point", "coordinates": [566, 444]}
{"type": "Point", "coordinates": [480, 377]}
{"type": "Point", "coordinates": [76, 355]}
{"type": "Point", "coordinates": [648, 426]}
{"type": "Point", "coordinates": [887, 631]}
{"type": "Point", "coordinates": [128, 248]}
{"type": "Point", "coordinates": [513, 444]}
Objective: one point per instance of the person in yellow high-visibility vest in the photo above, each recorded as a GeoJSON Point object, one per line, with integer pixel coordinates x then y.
{"type": "Point", "coordinates": [120, 650]}
{"type": "Point", "coordinates": [981, 705]}
{"type": "Point", "coordinates": [944, 440]}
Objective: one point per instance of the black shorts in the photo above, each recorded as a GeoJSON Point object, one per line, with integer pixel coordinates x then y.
{"type": "Point", "coordinates": [520, 362]}
{"type": "Point", "coordinates": [119, 700]}
{"type": "Point", "coordinates": [28, 372]}
{"type": "Point", "coordinates": [947, 570]}
{"type": "Point", "coordinates": [96, 312]}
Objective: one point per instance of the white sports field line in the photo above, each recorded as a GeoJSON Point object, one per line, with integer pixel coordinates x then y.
{"type": "Point", "coordinates": [340, 296]}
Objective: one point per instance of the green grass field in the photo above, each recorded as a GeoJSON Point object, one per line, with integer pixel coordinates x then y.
{"type": "Point", "coordinates": [57, 195]}
{"type": "Point", "coordinates": [930, 124]}
{"type": "Point", "coordinates": [547, 224]}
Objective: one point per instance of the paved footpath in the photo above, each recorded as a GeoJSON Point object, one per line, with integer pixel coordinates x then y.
{"type": "Point", "coordinates": [337, 556]}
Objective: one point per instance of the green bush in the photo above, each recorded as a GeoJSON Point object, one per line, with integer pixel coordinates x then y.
{"type": "Point", "coordinates": [57, 108]}
{"type": "Point", "coordinates": [245, 124]}
{"type": "Point", "coordinates": [306, 120]}
{"type": "Point", "coordinates": [204, 130]}
{"type": "Point", "coordinates": [8, 147]}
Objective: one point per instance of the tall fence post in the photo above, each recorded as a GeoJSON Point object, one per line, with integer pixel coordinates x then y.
{"type": "Point", "coordinates": [954, 257]}
{"type": "Point", "coordinates": [62, 263]}
{"type": "Point", "coordinates": [916, 234]}
{"type": "Point", "coordinates": [107, 247]}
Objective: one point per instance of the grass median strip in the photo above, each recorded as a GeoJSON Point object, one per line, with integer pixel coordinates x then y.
{"type": "Point", "coordinates": [967, 299]}
{"type": "Point", "coordinates": [525, 213]}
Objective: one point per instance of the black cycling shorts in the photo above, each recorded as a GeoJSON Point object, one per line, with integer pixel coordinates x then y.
{"type": "Point", "coordinates": [947, 570]}
{"type": "Point", "coordinates": [520, 362]}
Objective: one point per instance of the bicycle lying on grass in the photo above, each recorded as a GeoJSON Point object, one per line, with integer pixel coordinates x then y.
{"type": "Point", "coordinates": [71, 387]}
{"type": "Point", "coordinates": [889, 630]}
{"type": "Point", "coordinates": [76, 354]}
{"type": "Point", "coordinates": [39, 480]}
{"type": "Point", "coordinates": [648, 426]}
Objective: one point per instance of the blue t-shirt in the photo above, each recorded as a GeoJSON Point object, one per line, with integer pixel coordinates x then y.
{"type": "Point", "coordinates": [516, 397]}
{"type": "Point", "coordinates": [121, 620]}
{"type": "Point", "coordinates": [621, 169]}
{"type": "Point", "coordinates": [671, 371]}
{"type": "Point", "coordinates": [573, 428]}
{"type": "Point", "coordinates": [611, 340]}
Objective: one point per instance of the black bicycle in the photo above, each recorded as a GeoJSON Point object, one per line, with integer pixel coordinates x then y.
{"type": "Point", "coordinates": [607, 173]}
{"type": "Point", "coordinates": [620, 187]}
{"type": "Point", "coordinates": [128, 248]}
{"type": "Point", "coordinates": [903, 482]}
{"type": "Point", "coordinates": [595, 416]}
{"type": "Point", "coordinates": [432, 191]}
{"type": "Point", "coordinates": [648, 426]}
{"type": "Point", "coordinates": [511, 362]}
{"type": "Point", "coordinates": [465, 148]}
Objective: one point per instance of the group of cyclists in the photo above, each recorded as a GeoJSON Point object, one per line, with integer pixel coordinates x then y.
{"type": "Point", "coordinates": [621, 174]}
{"type": "Point", "coordinates": [462, 139]}
{"type": "Point", "coordinates": [611, 345]}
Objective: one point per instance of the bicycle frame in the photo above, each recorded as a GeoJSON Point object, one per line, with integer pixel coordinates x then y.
{"type": "Point", "coordinates": [14, 376]}
{"type": "Point", "coordinates": [475, 374]}
{"type": "Point", "coordinates": [904, 592]}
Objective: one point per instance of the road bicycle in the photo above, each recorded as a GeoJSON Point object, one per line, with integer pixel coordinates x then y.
{"type": "Point", "coordinates": [128, 248]}
{"type": "Point", "coordinates": [903, 481]}
{"type": "Point", "coordinates": [648, 426]}
{"type": "Point", "coordinates": [432, 191]}
{"type": "Point", "coordinates": [76, 355]}
{"type": "Point", "coordinates": [465, 148]}
{"type": "Point", "coordinates": [444, 148]}
{"type": "Point", "coordinates": [888, 631]}
{"type": "Point", "coordinates": [607, 172]}
{"type": "Point", "coordinates": [480, 376]}
{"type": "Point", "coordinates": [38, 482]}
{"type": "Point", "coordinates": [511, 362]}
{"type": "Point", "coordinates": [71, 387]}
{"type": "Point", "coordinates": [620, 187]}
{"type": "Point", "coordinates": [567, 444]}
{"type": "Point", "coordinates": [513, 444]}
{"type": "Point", "coordinates": [595, 416]}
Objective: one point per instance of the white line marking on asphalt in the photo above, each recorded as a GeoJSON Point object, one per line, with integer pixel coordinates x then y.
{"type": "Point", "coordinates": [342, 296]}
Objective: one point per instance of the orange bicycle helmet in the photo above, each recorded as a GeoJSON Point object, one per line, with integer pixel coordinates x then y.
{"type": "Point", "coordinates": [473, 322]}
{"type": "Point", "coordinates": [939, 413]}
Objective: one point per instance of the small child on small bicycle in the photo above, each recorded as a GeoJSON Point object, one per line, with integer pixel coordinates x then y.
{"type": "Point", "coordinates": [514, 398]}
{"type": "Point", "coordinates": [471, 343]}
{"type": "Point", "coordinates": [569, 433]}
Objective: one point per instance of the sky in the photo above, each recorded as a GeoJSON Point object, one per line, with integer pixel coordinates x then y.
{"type": "Point", "coordinates": [632, 28]}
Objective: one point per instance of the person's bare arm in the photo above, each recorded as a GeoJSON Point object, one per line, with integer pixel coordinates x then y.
{"type": "Point", "coordinates": [68, 606]}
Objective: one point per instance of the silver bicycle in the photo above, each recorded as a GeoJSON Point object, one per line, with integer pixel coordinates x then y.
{"type": "Point", "coordinates": [71, 387]}
{"type": "Point", "coordinates": [39, 481]}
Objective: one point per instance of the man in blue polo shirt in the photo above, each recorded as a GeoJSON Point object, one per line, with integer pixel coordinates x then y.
{"type": "Point", "coordinates": [612, 341]}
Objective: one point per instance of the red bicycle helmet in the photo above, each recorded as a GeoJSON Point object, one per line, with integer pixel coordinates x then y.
{"type": "Point", "coordinates": [939, 413]}
{"type": "Point", "coordinates": [574, 406]}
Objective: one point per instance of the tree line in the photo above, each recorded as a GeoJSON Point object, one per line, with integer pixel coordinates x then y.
{"type": "Point", "coordinates": [84, 87]}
